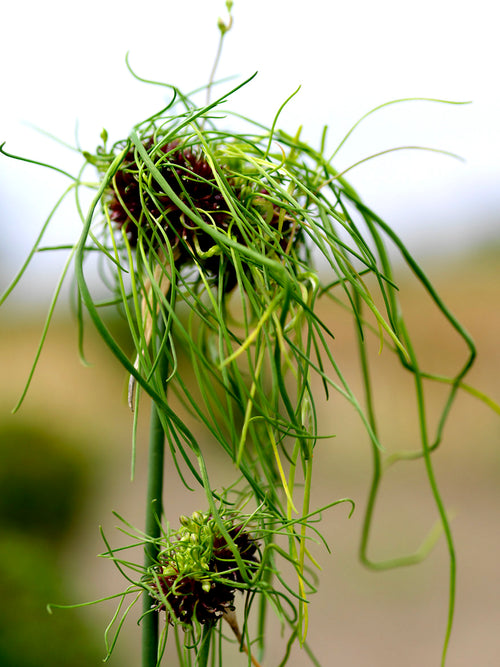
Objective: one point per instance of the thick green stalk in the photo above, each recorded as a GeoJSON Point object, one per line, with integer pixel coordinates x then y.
{"type": "Point", "coordinates": [154, 506]}
{"type": "Point", "coordinates": [204, 651]}
{"type": "Point", "coordinates": [154, 510]}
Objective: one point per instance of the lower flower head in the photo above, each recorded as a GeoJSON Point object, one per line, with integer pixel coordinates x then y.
{"type": "Point", "coordinates": [197, 573]}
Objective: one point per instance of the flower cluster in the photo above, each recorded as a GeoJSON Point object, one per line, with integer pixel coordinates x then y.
{"type": "Point", "coordinates": [197, 574]}
{"type": "Point", "coordinates": [139, 205]}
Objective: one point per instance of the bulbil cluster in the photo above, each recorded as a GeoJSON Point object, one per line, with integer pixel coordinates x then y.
{"type": "Point", "coordinates": [240, 210]}
{"type": "Point", "coordinates": [197, 574]}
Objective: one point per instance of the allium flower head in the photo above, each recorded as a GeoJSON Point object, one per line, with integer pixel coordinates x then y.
{"type": "Point", "coordinates": [197, 574]}
{"type": "Point", "coordinates": [141, 207]}
{"type": "Point", "coordinates": [191, 178]}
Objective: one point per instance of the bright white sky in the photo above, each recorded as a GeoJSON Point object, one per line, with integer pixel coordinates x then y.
{"type": "Point", "coordinates": [64, 62]}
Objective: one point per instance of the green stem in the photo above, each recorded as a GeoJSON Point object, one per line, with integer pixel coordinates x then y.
{"type": "Point", "coordinates": [203, 653]}
{"type": "Point", "coordinates": [154, 511]}
{"type": "Point", "coordinates": [376, 457]}
{"type": "Point", "coordinates": [150, 631]}
{"type": "Point", "coordinates": [438, 500]}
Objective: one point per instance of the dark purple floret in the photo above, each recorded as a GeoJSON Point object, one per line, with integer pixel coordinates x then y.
{"type": "Point", "coordinates": [151, 212]}
{"type": "Point", "coordinates": [190, 177]}
{"type": "Point", "coordinates": [208, 596]}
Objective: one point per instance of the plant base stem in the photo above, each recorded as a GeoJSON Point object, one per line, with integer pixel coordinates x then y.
{"type": "Point", "coordinates": [150, 631]}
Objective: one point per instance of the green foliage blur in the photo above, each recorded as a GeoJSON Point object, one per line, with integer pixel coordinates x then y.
{"type": "Point", "coordinates": [43, 485]}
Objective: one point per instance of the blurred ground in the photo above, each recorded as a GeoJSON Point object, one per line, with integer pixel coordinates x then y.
{"type": "Point", "coordinates": [358, 618]}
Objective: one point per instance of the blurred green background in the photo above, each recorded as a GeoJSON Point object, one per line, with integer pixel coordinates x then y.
{"type": "Point", "coordinates": [65, 465]}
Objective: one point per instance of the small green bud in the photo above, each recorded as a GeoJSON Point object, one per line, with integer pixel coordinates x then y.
{"type": "Point", "coordinates": [92, 159]}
